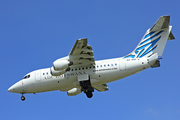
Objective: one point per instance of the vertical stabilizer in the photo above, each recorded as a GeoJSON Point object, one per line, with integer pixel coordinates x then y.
{"type": "Point", "coordinates": [154, 40]}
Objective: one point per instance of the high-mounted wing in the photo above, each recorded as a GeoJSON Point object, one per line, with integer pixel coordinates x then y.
{"type": "Point", "coordinates": [82, 53]}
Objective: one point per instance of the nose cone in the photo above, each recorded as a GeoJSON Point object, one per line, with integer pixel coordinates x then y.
{"type": "Point", "coordinates": [16, 88]}
{"type": "Point", "coordinates": [11, 89]}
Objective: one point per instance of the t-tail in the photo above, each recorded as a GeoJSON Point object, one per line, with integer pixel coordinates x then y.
{"type": "Point", "coordinates": [154, 41]}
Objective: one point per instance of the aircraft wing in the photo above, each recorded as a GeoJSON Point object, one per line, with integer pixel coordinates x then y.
{"type": "Point", "coordinates": [82, 53]}
{"type": "Point", "coordinates": [101, 87]}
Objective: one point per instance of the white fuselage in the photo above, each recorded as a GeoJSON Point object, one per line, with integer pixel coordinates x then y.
{"type": "Point", "coordinates": [104, 71]}
{"type": "Point", "coordinates": [79, 72]}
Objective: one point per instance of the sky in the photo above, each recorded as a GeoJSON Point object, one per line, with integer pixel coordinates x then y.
{"type": "Point", "coordinates": [33, 34]}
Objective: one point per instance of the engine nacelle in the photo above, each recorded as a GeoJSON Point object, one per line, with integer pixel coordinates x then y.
{"type": "Point", "coordinates": [57, 73]}
{"type": "Point", "coordinates": [74, 91]}
{"type": "Point", "coordinates": [61, 64]}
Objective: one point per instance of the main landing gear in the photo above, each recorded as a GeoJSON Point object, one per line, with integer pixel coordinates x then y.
{"type": "Point", "coordinates": [89, 94]}
{"type": "Point", "coordinates": [87, 88]}
{"type": "Point", "coordinates": [22, 97]}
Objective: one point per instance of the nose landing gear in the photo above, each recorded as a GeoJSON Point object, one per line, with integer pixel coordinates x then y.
{"type": "Point", "coordinates": [22, 97]}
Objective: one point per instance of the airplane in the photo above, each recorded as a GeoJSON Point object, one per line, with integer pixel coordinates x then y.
{"type": "Point", "coordinates": [79, 72]}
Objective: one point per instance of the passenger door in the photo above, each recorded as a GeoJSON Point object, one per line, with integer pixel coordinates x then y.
{"type": "Point", "coordinates": [38, 75]}
{"type": "Point", "coordinates": [122, 64]}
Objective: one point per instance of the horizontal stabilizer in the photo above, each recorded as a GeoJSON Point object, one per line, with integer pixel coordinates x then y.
{"type": "Point", "coordinates": [162, 23]}
{"type": "Point", "coordinates": [171, 36]}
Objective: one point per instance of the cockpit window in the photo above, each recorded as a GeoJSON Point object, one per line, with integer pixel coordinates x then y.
{"type": "Point", "coordinates": [27, 76]}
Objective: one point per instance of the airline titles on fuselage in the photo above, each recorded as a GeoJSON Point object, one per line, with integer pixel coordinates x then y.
{"type": "Point", "coordinates": [72, 73]}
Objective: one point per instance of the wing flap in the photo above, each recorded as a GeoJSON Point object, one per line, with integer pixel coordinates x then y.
{"type": "Point", "coordinates": [77, 48]}
{"type": "Point", "coordinates": [101, 87]}
{"type": "Point", "coordinates": [82, 53]}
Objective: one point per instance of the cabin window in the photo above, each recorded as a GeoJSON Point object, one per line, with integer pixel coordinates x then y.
{"type": "Point", "coordinates": [111, 64]}
{"type": "Point", "coordinates": [108, 64]}
{"type": "Point", "coordinates": [101, 65]}
{"type": "Point", "coordinates": [71, 69]}
{"type": "Point", "coordinates": [75, 69]}
{"type": "Point", "coordinates": [89, 67]}
{"type": "Point", "coordinates": [104, 65]}
{"type": "Point", "coordinates": [83, 68]}
{"type": "Point", "coordinates": [97, 66]}
{"type": "Point", "coordinates": [93, 66]}
{"type": "Point", "coordinates": [115, 64]}
{"type": "Point", "coordinates": [86, 67]}
{"type": "Point", "coordinates": [79, 68]}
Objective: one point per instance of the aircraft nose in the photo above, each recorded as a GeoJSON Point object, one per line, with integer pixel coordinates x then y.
{"type": "Point", "coordinates": [16, 88]}
{"type": "Point", "coordinates": [11, 89]}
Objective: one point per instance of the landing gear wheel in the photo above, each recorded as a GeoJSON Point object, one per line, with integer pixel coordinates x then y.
{"type": "Point", "coordinates": [23, 98]}
{"type": "Point", "coordinates": [85, 84]}
{"type": "Point", "coordinates": [89, 94]}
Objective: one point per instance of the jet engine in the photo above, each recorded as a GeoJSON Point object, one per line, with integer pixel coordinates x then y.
{"type": "Point", "coordinates": [61, 64]}
{"type": "Point", "coordinates": [57, 73]}
{"type": "Point", "coordinates": [74, 91]}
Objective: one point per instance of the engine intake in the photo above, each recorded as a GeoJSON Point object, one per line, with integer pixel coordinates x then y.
{"type": "Point", "coordinates": [61, 64]}
{"type": "Point", "coordinates": [57, 73]}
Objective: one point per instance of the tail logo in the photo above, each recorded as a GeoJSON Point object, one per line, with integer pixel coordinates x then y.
{"type": "Point", "coordinates": [146, 46]}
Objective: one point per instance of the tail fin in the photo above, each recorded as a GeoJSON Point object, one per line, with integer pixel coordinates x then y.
{"type": "Point", "coordinates": [154, 39]}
